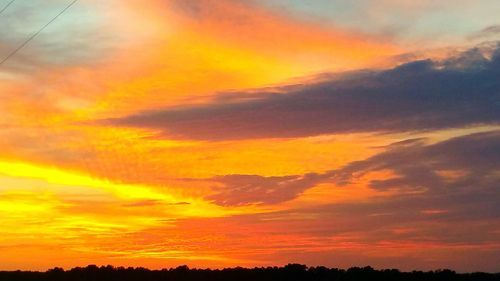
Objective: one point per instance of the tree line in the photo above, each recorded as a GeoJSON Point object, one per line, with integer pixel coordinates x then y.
{"type": "Point", "coordinates": [290, 272]}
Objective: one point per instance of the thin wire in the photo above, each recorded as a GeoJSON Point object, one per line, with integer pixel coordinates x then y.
{"type": "Point", "coordinates": [36, 33]}
{"type": "Point", "coordinates": [6, 6]}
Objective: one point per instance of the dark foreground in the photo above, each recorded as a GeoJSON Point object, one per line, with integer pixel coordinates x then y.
{"type": "Point", "coordinates": [288, 272]}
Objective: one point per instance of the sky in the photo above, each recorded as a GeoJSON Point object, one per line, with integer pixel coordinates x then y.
{"type": "Point", "coordinates": [218, 133]}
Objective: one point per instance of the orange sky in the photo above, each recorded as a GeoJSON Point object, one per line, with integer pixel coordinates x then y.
{"type": "Point", "coordinates": [77, 189]}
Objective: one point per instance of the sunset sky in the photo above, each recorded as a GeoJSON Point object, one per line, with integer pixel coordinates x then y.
{"type": "Point", "coordinates": [221, 133]}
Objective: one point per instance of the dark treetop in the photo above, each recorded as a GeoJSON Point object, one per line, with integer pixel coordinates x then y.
{"type": "Point", "coordinates": [288, 272]}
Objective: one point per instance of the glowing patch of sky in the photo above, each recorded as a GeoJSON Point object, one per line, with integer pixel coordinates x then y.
{"type": "Point", "coordinates": [74, 38]}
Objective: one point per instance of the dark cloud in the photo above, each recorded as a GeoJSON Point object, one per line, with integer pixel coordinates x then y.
{"type": "Point", "coordinates": [448, 165]}
{"type": "Point", "coordinates": [463, 169]}
{"type": "Point", "coordinates": [421, 95]}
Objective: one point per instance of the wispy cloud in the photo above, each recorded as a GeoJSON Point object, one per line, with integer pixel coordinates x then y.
{"type": "Point", "coordinates": [489, 32]}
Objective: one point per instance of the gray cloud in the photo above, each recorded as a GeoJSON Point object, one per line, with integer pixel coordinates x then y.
{"type": "Point", "coordinates": [463, 169]}
{"type": "Point", "coordinates": [421, 95]}
{"type": "Point", "coordinates": [474, 158]}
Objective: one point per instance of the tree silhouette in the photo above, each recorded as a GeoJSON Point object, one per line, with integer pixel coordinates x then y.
{"type": "Point", "coordinates": [290, 272]}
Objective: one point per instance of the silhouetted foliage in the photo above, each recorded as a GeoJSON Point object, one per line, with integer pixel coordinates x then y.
{"type": "Point", "coordinates": [290, 272]}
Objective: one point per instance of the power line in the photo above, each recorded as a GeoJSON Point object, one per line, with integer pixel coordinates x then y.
{"type": "Point", "coordinates": [6, 6]}
{"type": "Point", "coordinates": [36, 33]}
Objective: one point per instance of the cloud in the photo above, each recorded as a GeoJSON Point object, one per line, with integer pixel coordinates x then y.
{"type": "Point", "coordinates": [416, 96]}
{"type": "Point", "coordinates": [254, 189]}
{"type": "Point", "coordinates": [462, 169]}
{"type": "Point", "coordinates": [462, 164]}
{"type": "Point", "coordinates": [150, 202]}
{"type": "Point", "coordinates": [487, 32]}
